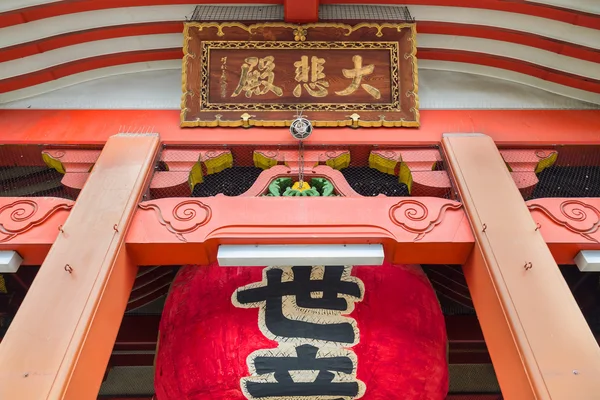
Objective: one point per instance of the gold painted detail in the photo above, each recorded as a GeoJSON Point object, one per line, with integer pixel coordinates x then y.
{"type": "Point", "coordinates": [355, 118]}
{"type": "Point", "coordinates": [300, 32]}
{"type": "Point", "coordinates": [546, 162]}
{"type": "Point", "coordinates": [223, 77]}
{"type": "Point", "coordinates": [340, 162]}
{"type": "Point", "coordinates": [53, 163]}
{"type": "Point", "coordinates": [318, 85]}
{"type": "Point", "coordinates": [389, 165]}
{"type": "Point", "coordinates": [382, 164]}
{"type": "Point", "coordinates": [263, 79]}
{"type": "Point", "coordinates": [301, 188]}
{"type": "Point", "coordinates": [405, 176]}
{"type": "Point", "coordinates": [209, 167]}
{"type": "Point", "coordinates": [219, 163]}
{"type": "Point", "coordinates": [356, 75]}
{"type": "Point", "coordinates": [196, 176]}
{"type": "Point", "coordinates": [257, 77]}
{"type": "Point", "coordinates": [263, 161]}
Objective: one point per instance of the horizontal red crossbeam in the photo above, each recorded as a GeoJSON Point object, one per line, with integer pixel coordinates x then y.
{"type": "Point", "coordinates": [189, 230]}
{"type": "Point", "coordinates": [506, 127]}
{"type": "Point", "coordinates": [176, 231]}
{"type": "Point", "coordinates": [567, 225]}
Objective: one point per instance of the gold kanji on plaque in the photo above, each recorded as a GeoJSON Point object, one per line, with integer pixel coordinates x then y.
{"type": "Point", "coordinates": [317, 85]}
{"type": "Point", "coordinates": [356, 75]}
{"type": "Point", "coordinates": [257, 77]}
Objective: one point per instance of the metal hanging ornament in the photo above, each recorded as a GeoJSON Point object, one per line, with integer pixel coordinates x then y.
{"type": "Point", "coordinates": [301, 128]}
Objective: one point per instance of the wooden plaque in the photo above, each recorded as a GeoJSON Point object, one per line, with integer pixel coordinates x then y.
{"type": "Point", "coordinates": [267, 74]}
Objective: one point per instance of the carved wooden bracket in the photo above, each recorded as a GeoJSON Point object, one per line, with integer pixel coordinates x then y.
{"type": "Point", "coordinates": [336, 159]}
{"type": "Point", "coordinates": [525, 164]}
{"type": "Point", "coordinates": [74, 164]}
{"type": "Point", "coordinates": [415, 168]}
{"type": "Point", "coordinates": [179, 170]}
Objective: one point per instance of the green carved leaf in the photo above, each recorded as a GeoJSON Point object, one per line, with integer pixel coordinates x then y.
{"type": "Point", "coordinates": [279, 186]}
{"type": "Point", "coordinates": [324, 186]}
{"type": "Point", "coordinates": [283, 187]}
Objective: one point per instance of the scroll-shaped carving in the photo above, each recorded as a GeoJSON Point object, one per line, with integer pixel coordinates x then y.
{"type": "Point", "coordinates": [185, 217]}
{"type": "Point", "coordinates": [574, 215]}
{"type": "Point", "coordinates": [414, 216]}
{"type": "Point", "coordinates": [23, 215]}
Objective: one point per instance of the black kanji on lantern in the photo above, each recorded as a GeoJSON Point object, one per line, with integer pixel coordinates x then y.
{"type": "Point", "coordinates": [323, 294]}
{"type": "Point", "coordinates": [302, 308]}
{"type": "Point", "coordinates": [305, 363]}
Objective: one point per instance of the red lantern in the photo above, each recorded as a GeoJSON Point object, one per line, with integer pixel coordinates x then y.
{"type": "Point", "coordinates": [237, 333]}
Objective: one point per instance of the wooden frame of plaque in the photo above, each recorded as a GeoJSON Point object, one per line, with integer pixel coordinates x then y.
{"type": "Point", "coordinates": [266, 74]}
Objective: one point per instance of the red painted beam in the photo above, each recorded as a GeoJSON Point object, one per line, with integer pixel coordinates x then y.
{"type": "Point", "coordinates": [507, 128]}
{"type": "Point", "coordinates": [189, 230]}
{"type": "Point", "coordinates": [567, 225]}
{"type": "Point", "coordinates": [301, 11]}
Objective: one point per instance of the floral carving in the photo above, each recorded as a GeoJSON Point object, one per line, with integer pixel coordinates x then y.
{"type": "Point", "coordinates": [23, 215]}
{"type": "Point", "coordinates": [186, 217]}
{"type": "Point", "coordinates": [414, 216]}
{"type": "Point", "coordinates": [575, 215]}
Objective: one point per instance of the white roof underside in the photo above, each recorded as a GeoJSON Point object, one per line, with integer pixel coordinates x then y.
{"type": "Point", "coordinates": [161, 89]}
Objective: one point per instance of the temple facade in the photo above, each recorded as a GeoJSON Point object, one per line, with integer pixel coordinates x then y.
{"type": "Point", "coordinates": [299, 200]}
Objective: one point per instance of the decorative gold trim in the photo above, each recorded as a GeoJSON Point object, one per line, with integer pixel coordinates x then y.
{"type": "Point", "coordinates": [301, 34]}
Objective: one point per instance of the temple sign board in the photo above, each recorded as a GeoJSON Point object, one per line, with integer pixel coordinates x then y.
{"type": "Point", "coordinates": [237, 75]}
